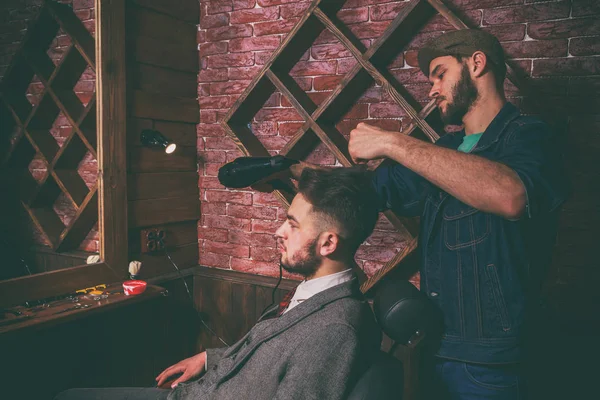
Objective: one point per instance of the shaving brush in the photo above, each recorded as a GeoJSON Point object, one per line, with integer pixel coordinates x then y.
{"type": "Point", "coordinates": [134, 269]}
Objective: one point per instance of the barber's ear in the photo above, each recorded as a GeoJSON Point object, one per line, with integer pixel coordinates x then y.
{"type": "Point", "coordinates": [329, 242]}
{"type": "Point", "coordinates": [478, 63]}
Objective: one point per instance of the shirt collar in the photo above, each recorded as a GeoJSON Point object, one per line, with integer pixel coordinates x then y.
{"type": "Point", "coordinates": [309, 288]}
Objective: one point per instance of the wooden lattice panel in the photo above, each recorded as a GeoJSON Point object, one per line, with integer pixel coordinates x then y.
{"type": "Point", "coordinates": [320, 121]}
{"type": "Point", "coordinates": [29, 127]}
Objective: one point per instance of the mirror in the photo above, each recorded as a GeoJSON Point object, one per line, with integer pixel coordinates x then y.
{"type": "Point", "coordinates": [63, 181]}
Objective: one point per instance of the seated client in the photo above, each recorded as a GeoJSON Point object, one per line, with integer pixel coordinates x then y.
{"type": "Point", "coordinates": [315, 346]}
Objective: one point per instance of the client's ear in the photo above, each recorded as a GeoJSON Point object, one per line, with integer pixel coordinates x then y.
{"type": "Point", "coordinates": [328, 243]}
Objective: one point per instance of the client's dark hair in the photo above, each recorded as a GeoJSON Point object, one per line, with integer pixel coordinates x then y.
{"type": "Point", "coordinates": [344, 195]}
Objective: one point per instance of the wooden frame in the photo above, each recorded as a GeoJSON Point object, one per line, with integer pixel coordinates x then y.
{"type": "Point", "coordinates": [112, 178]}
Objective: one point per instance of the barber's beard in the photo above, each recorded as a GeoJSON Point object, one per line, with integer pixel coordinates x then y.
{"type": "Point", "coordinates": [464, 94]}
{"type": "Point", "coordinates": [306, 262]}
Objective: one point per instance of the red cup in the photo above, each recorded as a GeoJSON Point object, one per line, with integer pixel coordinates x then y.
{"type": "Point", "coordinates": [131, 288]}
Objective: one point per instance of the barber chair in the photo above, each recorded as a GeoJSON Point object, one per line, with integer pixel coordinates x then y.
{"type": "Point", "coordinates": [405, 315]}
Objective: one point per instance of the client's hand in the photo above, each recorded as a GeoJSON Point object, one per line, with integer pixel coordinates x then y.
{"type": "Point", "coordinates": [189, 368]}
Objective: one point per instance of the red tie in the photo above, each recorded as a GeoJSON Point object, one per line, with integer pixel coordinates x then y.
{"type": "Point", "coordinates": [285, 303]}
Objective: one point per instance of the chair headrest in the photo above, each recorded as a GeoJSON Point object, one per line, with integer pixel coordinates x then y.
{"type": "Point", "coordinates": [402, 310]}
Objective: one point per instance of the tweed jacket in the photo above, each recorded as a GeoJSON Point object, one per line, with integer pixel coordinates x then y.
{"type": "Point", "coordinates": [317, 350]}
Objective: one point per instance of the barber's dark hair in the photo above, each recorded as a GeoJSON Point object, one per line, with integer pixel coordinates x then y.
{"type": "Point", "coordinates": [345, 195]}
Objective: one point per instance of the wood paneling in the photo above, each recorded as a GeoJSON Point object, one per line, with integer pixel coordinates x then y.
{"type": "Point", "coordinates": [150, 23]}
{"type": "Point", "coordinates": [186, 10]}
{"type": "Point", "coordinates": [164, 107]}
{"type": "Point", "coordinates": [184, 134]}
{"type": "Point", "coordinates": [143, 159]}
{"type": "Point", "coordinates": [149, 78]}
{"type": "Point", "coordinates": [162, 53]}
{"type": "Point", "coordinates": [155, 185]}
{"type": "Point", "coordinates": [177, 234]}
{"type": "Point", "coordinates": [160, 211]}
{"type": "Point", "coordinates": [157, 264]}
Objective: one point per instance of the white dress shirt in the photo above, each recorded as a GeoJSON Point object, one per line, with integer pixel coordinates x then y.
{"type": "Point", "coordinates": [307, 289]}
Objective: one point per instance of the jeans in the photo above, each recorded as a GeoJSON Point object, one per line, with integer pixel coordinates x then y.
{"type": "Point", "coordinates": [455, 380]}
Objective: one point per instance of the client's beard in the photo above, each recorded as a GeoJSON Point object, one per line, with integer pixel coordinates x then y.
{"type": "Point", "coordinates": [307, 263]}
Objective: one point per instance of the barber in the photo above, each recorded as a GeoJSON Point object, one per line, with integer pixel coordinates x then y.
{"type": "Point", "coordinates": [488, 197]}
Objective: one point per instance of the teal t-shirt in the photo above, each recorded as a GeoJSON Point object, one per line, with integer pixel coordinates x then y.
{"type": "Point", "coordinates": [469, 142]}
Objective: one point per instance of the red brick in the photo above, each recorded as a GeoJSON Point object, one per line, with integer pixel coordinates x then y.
{"type": "Point", "coordinates": [252, 239]}
{"type": "Point", "coordinates": [211, 169]}
{"type": "Point", "coordinates": [255, 267]}
{"type": "Point", "coordinates": [265, 226]}
{"type": "Point", "coordinates": [386, 11]}
{"type": "Point", "coordinates": [321, 155]}
{"type": "Point", "coordinates": [255, 15]}
{"type": "Point", "coordinates": [231, 60]}
{"type": "Point", "coordinates": [278, 114]}
{"type": "Point", "coordinates": [587, 46]}
{"type": "Point", "coordinates": [233, 87]}
{"type": "Point", "coordinates": [219, 221]}
{"type": "Point", "coordinates": [392, 239]}
{"type": "Point", "coordinates": [243, 72]}
{"type": "Point", "coordinates": [201, 36]}
{"type": "Point", "coordinates": [209, 182]}
{"type": "Point", "coordinates": [229, 197]}
{"type": "Point", "coordinates": [213, 156]}
{"type": "Point", "coordinates": [353, 15]}
{"type": "Point", "coordinates": [318, 97]}
{"type": "Point", "coordinates": [214, 21]}
{"type": "Point", "coordinates": [535, 49]}
{"type": "Point", "coordinates": [574, 66]}
{"type": "Point", "coordinates": [327, 82]}
{"type": "Point", "coordinates": [228, 32]}
{"type": "Point", "coordinates": [226, 248]}
{"type": "Point", "coordinates": [371, 95]}
{"type": "Point", "coordinates": [79, 4]}
{"type": "Point", "coordinates": [233, 154]}
{"type": "Point", "coordinates": [264, 129]}
{"type": "Point", "coordinates": [369, 30]}
{"type": "Point", "coordinates": [289, 128]}
{"type": "Point", "coordinates": [220, 143]}
{"type": "Point", "coordinates": [273, 101]}
{"type": "Point", "coordinates": [261, 57]}
{"type": "Point", "coordinates": [213, 260]}
{"type": "Point", "coordinates": [359, 110]}
{"type": "Point", "coordinates": [267, 254]}
{"type": "Point", "coordinates": [439, 23]}
{"type": "Point", "coordinates": [305, 83]}
{"type": "Point", "coordinates": [274, 142]}
{"type": "Point", "coordinates": [213, 208]}
{"type": "Point", "coordinates": [330, 51]}
{"type": "Point", "coordinates": [345, 65]}
{"type": "Point", "coordinates": [386, 110]}
{"type": "Point", "coordinates": [275, 27]}
{"type": "Point", "coordinates": [304, 68]}
{"type": "Point", "coordinates": [409, 75]}
{"type": "Point", "coordinates": [208, 117]}
{"type": "Point", "coordinates": [480, 4]}
{"type": "Point", "coordinates": [217, 235]}
{"type": "Point", "coordinates": [219, 6]}
{"type": "Point", "coordinates": [326, 37]}
{"type": "Point", "coordinates": [215, 102]}
{"type": "Point", "coordinates": [527, 13]}
{"type": "Point", "coordinates": [564, 29]}
{"type": "Point", "coordinates": [265, 213]}
{"type": "Point", "coordinates": [293, 10]}
{"type": "Point", "coordinates": [208, 49]}
{"type": "Point", "coordinates": [371, 267]}
{"type": "Point", "coordinates": [376, 253]}
{"type": "Point", "coordinates": [212, 75]}
{"type": "Point", "coordinates": [206, 130]}
{"type": "Point", "coordinates": [267, 3]}
{"type": "Point", "coordinates": [243, 4]}
{"type": "Point", "coordinates": [266, 199]}
{"type": "Point", "coordinates": [585, 7]}
{"type": "Point", "coordinates": [506, 33]}
{"type": "Point", "coordinates": [254, 43]}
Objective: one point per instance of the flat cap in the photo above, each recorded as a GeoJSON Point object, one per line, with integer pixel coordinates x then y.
{"type": "Point", "coordinates": [463, 42]}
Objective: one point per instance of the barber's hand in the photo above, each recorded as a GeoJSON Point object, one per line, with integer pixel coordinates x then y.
{"type": "Point", "coordinates": [368, 142]}
{"type": "Point", "coordinates": [190, 368]}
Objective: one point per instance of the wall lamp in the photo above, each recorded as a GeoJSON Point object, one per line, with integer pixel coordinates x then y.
{"type": "Point", "coordinates": [152, 138]}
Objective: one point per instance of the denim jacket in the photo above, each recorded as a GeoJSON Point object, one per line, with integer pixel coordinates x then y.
{"type": "Point", "coordinates": [483, 271]}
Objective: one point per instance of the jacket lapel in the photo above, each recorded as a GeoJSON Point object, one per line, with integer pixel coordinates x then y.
{"type": "Point", "coordinates": [278, 325]}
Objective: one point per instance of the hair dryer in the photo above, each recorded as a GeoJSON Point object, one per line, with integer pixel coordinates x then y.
{"type": "Point", "coordinates": [247, 171]}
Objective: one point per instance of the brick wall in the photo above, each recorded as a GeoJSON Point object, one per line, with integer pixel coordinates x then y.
{"type": "Point", "coordinates": [555, 43]}
{"type": "Point", "coordinates": [15, 15]}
